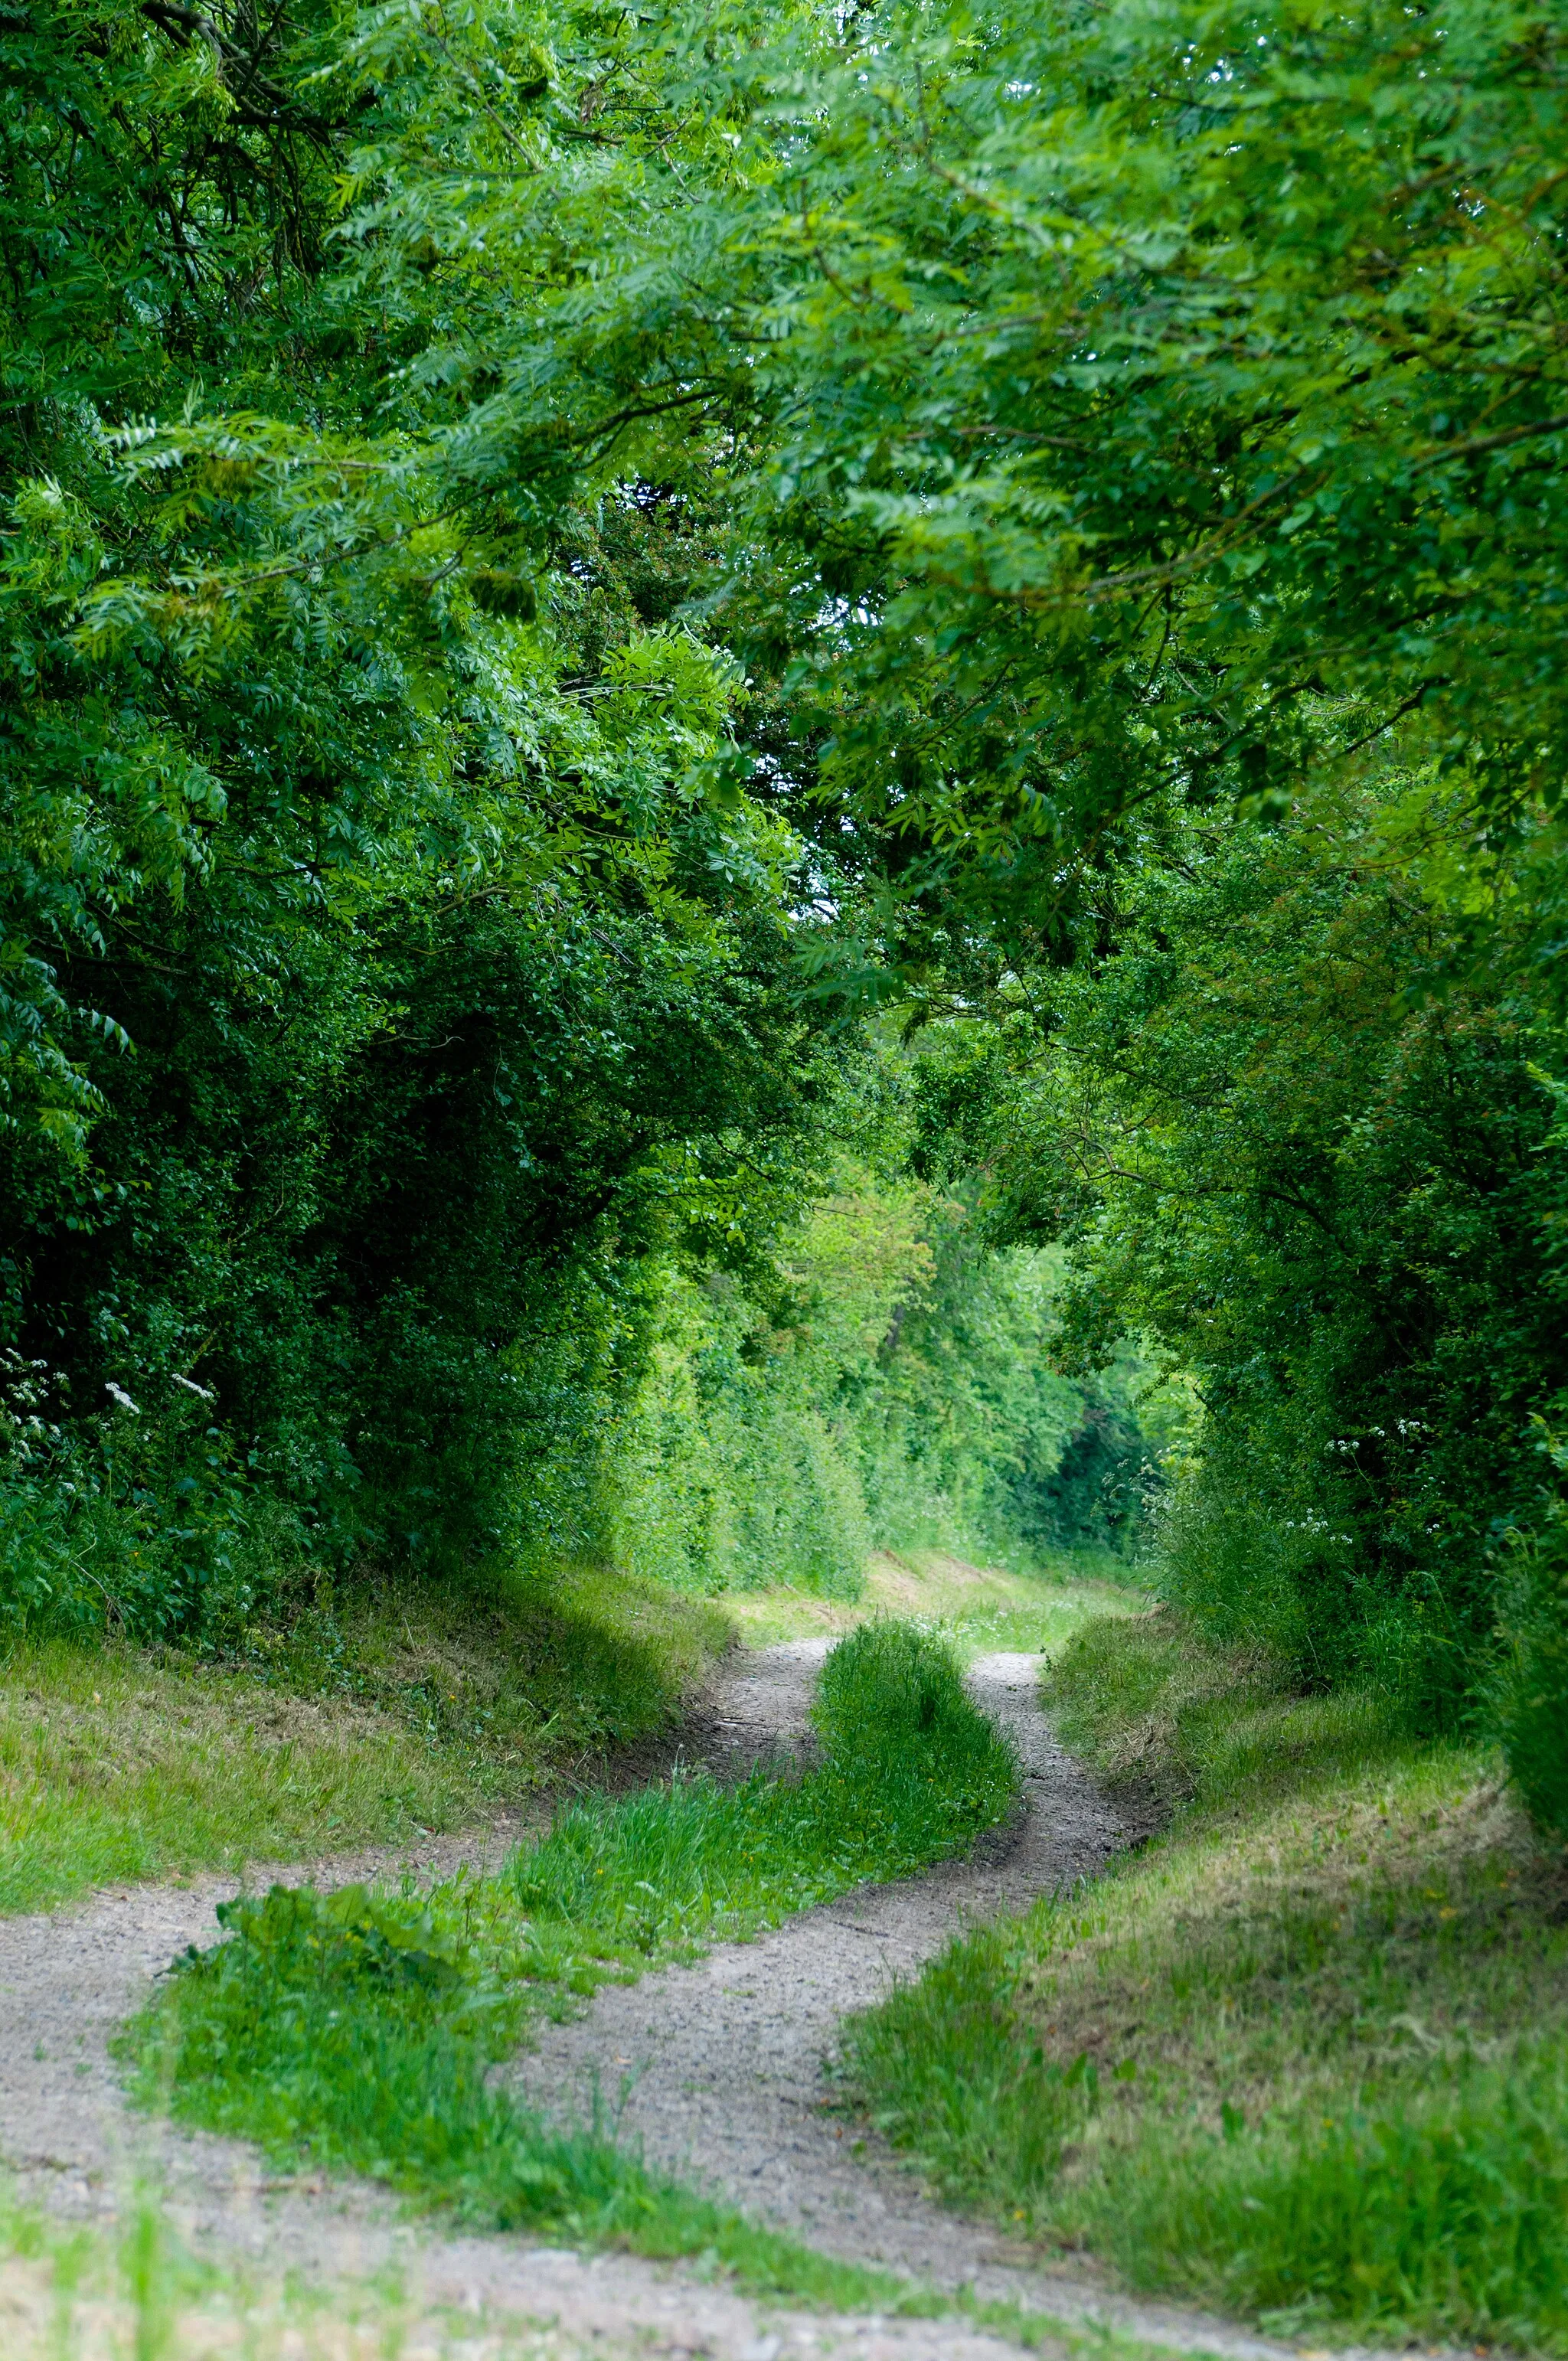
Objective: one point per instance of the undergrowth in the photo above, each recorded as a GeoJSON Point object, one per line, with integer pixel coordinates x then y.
{"type": "Point", "coordinates": [360, 2031]}
{"type": "Point", "coordinates": [1305, 2058]}
{"type": "Point", "coordinates": [406, 1710]}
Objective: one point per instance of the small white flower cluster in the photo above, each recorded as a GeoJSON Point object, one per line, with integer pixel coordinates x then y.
{"type": "Point", "coordinates": [117, 1393]}
{"type": "Point", "coordinates": [1317, 1525]}
{"type": "Point", "coordinates": [1402, 1426]}
{"type": "Point", "coordinates": [24, 1434]}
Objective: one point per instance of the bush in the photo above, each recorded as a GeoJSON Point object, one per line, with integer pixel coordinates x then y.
{"type": "Point", "coordinates": [1288, 1117]}
{"type": "Point", "coordinates": [135, 1522]}
{"type": "Point", "coordinates": [1531, 1696]}
{"type": "Point", "coordinates": [890, 1685]}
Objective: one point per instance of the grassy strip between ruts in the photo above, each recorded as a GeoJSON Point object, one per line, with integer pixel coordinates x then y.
{"type": "Point", "coordinates": [1306, 2058]}
{"type": "Point", "coordinates": [358, 2031]}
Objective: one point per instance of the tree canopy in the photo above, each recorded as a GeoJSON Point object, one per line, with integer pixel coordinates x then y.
{"type": "Point", "coordinates": [555, 564]}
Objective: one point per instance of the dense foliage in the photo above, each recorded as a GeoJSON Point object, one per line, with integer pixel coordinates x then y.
{"type": "Point", "coordinates": [1184, 404]}
{"type": "Point", "coordinates": [382, 988]}
{"type": "Point", "coordinates": [895, 1391]}
{"type": "Point", "coordinates": [1104, 400]}
{"type": "Point", "coordinates": [552, 561]}
{"type": "Point", "coordinates": [1296, 1129]}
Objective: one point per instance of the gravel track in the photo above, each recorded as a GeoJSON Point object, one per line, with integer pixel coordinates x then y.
{"type": "Point", "coordinates": [720, 2073]}
{"type": "Point", "coordinates": [717, 2070]}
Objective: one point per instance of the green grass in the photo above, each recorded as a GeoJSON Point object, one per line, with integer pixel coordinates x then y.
{"type": "Point", "coordinates": [402, 1711]}
{"type": "Point", "coordinates": [973, 1608]}
{"type": "Point", "coordinates": [1305, 2058]}
{"type": "Point", "coordinates": [358, 2031]}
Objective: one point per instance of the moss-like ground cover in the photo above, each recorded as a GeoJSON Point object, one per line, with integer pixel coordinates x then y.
{"type": "Point", "coordinates": [1306, 2058]}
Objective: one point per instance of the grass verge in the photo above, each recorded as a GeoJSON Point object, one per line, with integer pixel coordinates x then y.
{"type": "Point", "coordinates": [1306, 2058]}
{"type": "Point", "coordinates": [398, 1712]}
{"type": "Point", "coordinates": [359, 2031]}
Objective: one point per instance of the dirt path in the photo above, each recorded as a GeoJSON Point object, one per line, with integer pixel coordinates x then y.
{"type": "Point", "coordinates": [720, 2066]}
{"type": "Point", "coordinates": [716, 2070]}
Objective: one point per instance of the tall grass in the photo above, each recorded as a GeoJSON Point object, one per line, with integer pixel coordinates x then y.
{"type": "Point", "coordinates": [1445, 2210]}
{"type": "Point", "coordinates": [949, 2067]}
{"type": "Point", "coordinates": [359, 2030]}
{"type": "Point", "coordinates": [911, 1771]}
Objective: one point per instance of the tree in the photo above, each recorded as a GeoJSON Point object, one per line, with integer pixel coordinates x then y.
{"type": "Point", "coordinates": [390, 965]}
{"type": "Point", "coordinates": [1294, 1129]}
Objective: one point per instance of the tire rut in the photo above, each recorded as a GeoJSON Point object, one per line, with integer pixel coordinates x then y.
{"type": "Point", "coordinates": [721, 2072]}
{"type": "Point", "coordinates": [716, 2070]}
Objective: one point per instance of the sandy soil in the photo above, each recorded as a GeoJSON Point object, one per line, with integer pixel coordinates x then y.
{"type": "Point", "coordinates": [719, 2070]}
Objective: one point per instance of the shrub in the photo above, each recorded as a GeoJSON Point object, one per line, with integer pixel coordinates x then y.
{"type": "Point", "coordinates": [1531, 1696]}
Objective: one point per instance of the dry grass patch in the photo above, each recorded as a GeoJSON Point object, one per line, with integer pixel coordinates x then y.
{"type": "Point", "coordinates": [1328, 1954]}
{"type": "Point", "coordinates": [116, 1765]}
{"type": "Point", "coordinates": [974, 1608]}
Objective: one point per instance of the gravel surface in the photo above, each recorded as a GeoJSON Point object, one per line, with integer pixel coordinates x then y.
{"type": "Point", "coordinates": [718, 2072]}
{"type": "Point", "coordinates": [718, 2068]}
